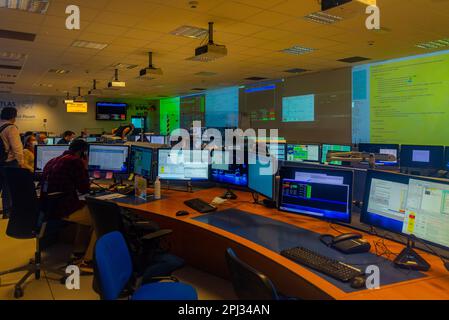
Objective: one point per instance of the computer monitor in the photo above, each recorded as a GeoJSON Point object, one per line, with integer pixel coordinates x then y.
{"type": "Point", "coordinates": [141, 161]}
{"type": "Point", "coordinates": [183, 165]}
{"type": "Point", "coordinates": [333, 147]}
{"type": "Point", "coordinates": [391, 149]}
{"type": "Point", "coordinates": [446, 158]}
{"type": "Point", "coordinates": [157, 139]}
{"type": "Point", "coordinates": [277, 150]}
{"type": "Point", "coordinates": [91, 139]}
{"type": "Point", "coordinates": [50, 141]}
{"type": "Point", "coordinates": [424, 157]}
{"type": "Point", "coordinates": [229, 170]}
{"type": "Point", "coordinates": [408, 205]}
{"type": "Point", "coordinates": [138, 122]}
{"type": "Point", "coordinates": [262, 174]}
{"type": "Point", "coordinates": [319, 193]}
{"type": "Point", "coordinates": [303, 152]}
{"type": "Point", "coordinates": [108, 158]}
{"type": "Point", "coordinates": [44, 153]}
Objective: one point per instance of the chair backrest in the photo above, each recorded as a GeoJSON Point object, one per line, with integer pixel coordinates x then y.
{"type": "Point", "coordinates": [25, 206]}
{"type": "Point", "coordinates": [106, 216]}
{"type": "Point", "coordinates": [113, 263]}
{"type": "Point", "coordinates": [248, 283]}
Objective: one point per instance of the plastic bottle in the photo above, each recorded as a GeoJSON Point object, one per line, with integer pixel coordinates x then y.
{"type": "Point", "coordinates": [157, 189]}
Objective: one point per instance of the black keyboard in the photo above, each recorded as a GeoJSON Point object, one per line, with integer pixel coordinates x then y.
{"type": "Point", "coordinates": [333, 268]}
{"type": "Point", "coordinates": [200, 206]}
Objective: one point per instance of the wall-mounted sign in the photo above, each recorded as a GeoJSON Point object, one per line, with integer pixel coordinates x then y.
{"type": "Point", "coordinates": [77, 107]}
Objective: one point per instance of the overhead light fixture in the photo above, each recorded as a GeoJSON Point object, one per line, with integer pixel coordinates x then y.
{"type": "Point", "coordinates": [116, 84]}
{"type": "Point", "coordinates": [89, 45]}
{"type": "Point", "coordinates": [210, 51]}
{"type": "Point", "coordinates": [151, 70]}
{"type": "Point", "coordinates": [95, 91]}
{"type": "Point", "coordinates": [43, 85]}
{"type": "Point", "coordinates": [59, 71]}
{"type": "Point", "coordinates": [124, 66]}
{"type": "Point", "coordinates": [190, 32]}
{"type": "Point", "coordinates": [298, 50]}
{"type": "Point", "coordinates": [296, 70]}
{"type": "Point", "coordinates": [79, 97]}
{"type": "Point", "coordinates": [12, 56]}
{"type": "Point", "coordinates": [68, 99]}
{"type": "Point", "coordinates": [205, 74]}
{"type": "Point", "coordinates": [323, 18]}
{"type": "Point", "coordinates": [34, 6]}
{"type": "Point", "coordinates": [436, 44]}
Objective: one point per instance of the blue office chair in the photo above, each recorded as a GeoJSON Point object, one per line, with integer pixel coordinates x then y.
{"type": "Point", "coordinates": [114, 266]}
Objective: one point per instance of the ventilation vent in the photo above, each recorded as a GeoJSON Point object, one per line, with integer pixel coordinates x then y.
{"type": "Point", "coordinates": [15, 35]}
{"type": "Point", "coordinates": [124, 66]}
{"type": "Point", "coordinates": [7, 82]}
{"type": "Point", "coordinates": [190, 32]}
{"type": "Point", "coordinates": [297, 50]}
{"type": "Point", "coordinates": [198, 89]}
{"type": "Point", "coordinates": [4, 66]}
{"type": "Point", "coordinates": [256, 78]}
{"type": "Point", "coordinates": [296, 70]}
{"type": "Point", "coordinates": [59, 71]}
{"type": "Point", "coordinates": [354, 59]}
{"type": "Point", "coordinates": [206, 74]}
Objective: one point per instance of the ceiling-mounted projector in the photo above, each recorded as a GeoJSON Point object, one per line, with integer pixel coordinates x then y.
{"type": "Point", "coordinates": [95, 91]}
{"type": "Point", "coordinates": [151, 70]}
{"type": "Point", "coordinates": [79, 98]}
{"type": "Point", "coordinates": [346, 8]}
{"type": "Point", "coordinates": [116, 84]}
{"type": "Point", "coordinates": [210, 51]}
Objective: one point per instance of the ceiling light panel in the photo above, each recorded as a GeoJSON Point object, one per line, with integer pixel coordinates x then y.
{"type": "Point", "coordinates": [124, 66]}
{"type": "Point", "coordinates": [323, 18]}
{"type": "Point", "coordinates": [12, 56]}
{"type": "Point", "coordinates": [34, 6]}
{"type": "Point", "coordinates": [59, 71]}
{"type": "Point", "coordinates": [190, 32]}
{"type": "Point", "coordinates": [436, 44]}
{"type": "Point", "coordinates": [298, 50]}
{"type": "Point", "coordinates": [89, 45]}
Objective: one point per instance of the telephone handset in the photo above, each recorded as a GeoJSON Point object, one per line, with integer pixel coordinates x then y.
{"type": "Point", "coordinates": [348, 243]}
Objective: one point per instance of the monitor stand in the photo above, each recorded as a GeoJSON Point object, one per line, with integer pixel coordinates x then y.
{"type": "Point", "coordinates": [229, 195]}
{"type": "Point", "coordinates": [410, 259]}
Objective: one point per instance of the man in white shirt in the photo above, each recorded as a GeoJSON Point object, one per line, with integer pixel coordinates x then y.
{"type": "Point", "coordinates": [12, 148]}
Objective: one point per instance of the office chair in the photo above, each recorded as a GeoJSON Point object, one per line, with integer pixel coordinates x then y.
{"type": "Point", "coordinates": [114, 265]}
{"type": "Point", "coordinates": [143, 237]}
{"type": "Point", "coordinates": [28, 220]}
{"type": "Point", "coordinates": [248, 283]}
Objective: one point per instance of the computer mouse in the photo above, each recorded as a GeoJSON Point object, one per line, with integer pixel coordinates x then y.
{"type": "Point", "coordinates": [358, 282]}
{"type": "Point", "coordinates": [182, 213]}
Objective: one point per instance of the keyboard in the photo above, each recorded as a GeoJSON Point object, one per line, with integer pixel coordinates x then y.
{"type": "Point", "coordinates": [200, 206]}
{"type": "Point", "coordinates": [333, 268]}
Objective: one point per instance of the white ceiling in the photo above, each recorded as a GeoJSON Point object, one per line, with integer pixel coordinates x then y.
{"type": "Point", "coordinates": [253, 30]}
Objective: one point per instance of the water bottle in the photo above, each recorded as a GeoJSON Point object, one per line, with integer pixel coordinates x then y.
{"type": "Point", "coordinates": [157, 189]}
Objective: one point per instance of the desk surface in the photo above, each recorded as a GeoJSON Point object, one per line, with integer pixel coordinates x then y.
{"type": "Point", "coordinates": [434, 286]}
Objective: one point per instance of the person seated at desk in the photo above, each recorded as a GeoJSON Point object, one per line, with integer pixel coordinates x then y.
{"type": "Point", "coordinates": [68, 174]}
{"type": "Point", "coordinates": [42, 138]}
{"type": "Point", "coordinates": [67, 138]}
{"type": "Point", "coordinates": [29, 145]}
{"type": "Point", "coordinates": [123, 131]}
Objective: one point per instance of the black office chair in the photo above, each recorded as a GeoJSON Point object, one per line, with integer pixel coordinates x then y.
{"type": "Point", "coordinates": [151, 261]}
{"type": "Point", "coordinates": [248, 283]}
{"type": "Point", "coordinates": [28, 220]}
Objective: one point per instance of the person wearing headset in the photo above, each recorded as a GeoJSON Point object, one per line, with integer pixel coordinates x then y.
{"type": "Point", "coordinates": [123, 131]}
{"type": "Point", "coordinates": [68, 175]}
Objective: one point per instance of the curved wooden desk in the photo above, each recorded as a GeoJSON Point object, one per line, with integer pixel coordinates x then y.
{"type": "Point", "coordinates": [203, 246]}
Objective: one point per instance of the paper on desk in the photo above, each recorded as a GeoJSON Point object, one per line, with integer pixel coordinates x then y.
{"type": "Point", "coordinates": [111, 196]}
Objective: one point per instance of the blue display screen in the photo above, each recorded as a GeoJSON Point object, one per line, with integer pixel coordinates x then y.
{"type": "Point", "coordinates": [260, 180]}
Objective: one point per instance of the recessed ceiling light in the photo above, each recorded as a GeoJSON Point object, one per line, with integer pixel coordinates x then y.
{"type": "Point", "coordinates": [35, 6]}
{"type": "Point", "coordinates": [353, 59]}
{"type": "Point", "coordinates": [436, 44]}
{"type": "Point", "coordinates": [89, 45]}
{"type": "Point", "coordinates": [256, 78]}
{"type": "Point", "coordinates": [11, 56]}
{"type": "Point", "coordinates": [124, 66]}
{"type": "Point", "coordinates": [297, 50]}
{"type": "Point", "coordinates": [7, 82]}
{"type": "Point", "coordinates": [7, 76]}
{"type": "Point", "coordinates": [190, 32]}
{"type": "Point", "coordinates": [43, 85]}
{"type": "Point", "coordinates": [59, 71]}
{"type": "Point", "coordinates": [323, 18]}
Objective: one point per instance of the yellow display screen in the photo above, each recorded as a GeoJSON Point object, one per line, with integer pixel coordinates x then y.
{"type": "Point", "coordinates": [77, 107]}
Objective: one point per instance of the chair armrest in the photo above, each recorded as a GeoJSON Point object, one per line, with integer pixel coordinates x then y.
{"type": "Point", "coordinates": [157, 235]}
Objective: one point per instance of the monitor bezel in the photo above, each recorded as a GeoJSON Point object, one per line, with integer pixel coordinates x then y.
{"type": "Point", "coordinates": [399, 176]}
{"type": "Point", "coordinates": [318, 170]}
{"type": "Point", "coordinates": [110, 145]}
{"type": "Point", "coordinates": [231, 185]}
{"type": "Point", "coordinates": [340, 145]}
{"type": "Point", "coordinates": [421, 147]}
